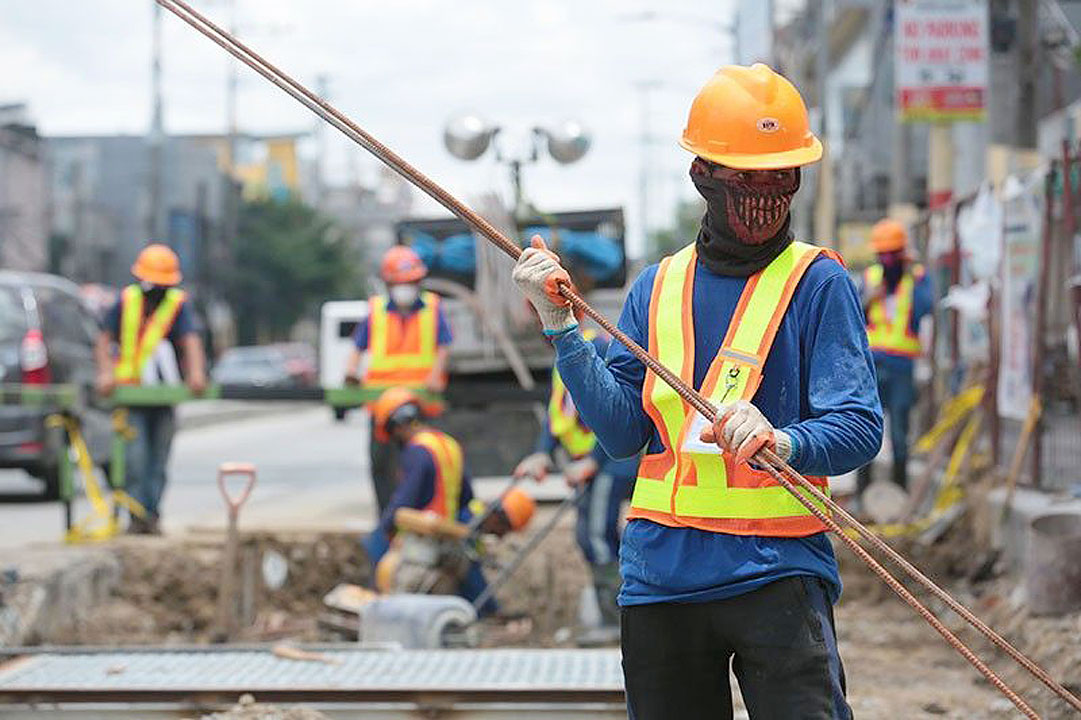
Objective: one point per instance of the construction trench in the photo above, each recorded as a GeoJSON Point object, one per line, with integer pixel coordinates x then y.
{"type": "Point", "coordinates": [136, 632]}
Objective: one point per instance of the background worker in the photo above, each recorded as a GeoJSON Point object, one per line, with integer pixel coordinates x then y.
{"type": "Point", "coordinates": [434, 479]}
{"type": "Point", "coordinates": [608, 482]}
{"type": "Point", "coordinates": [152, 326]}
{"type": "Point", "coordinates": [403, 341]}
{"type": "Point", "coordinates": [897, 295]}
{"type": "Point", "coordinates": [719, 563]}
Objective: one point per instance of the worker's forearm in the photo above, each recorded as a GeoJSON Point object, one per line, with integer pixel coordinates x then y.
{"type": "Point", "coordinates": [610, 408]}
{"type": "Point", "coordinates": [102, 353]}
{"type": "Point", "coordinates": [194, 356]}
{"type": "Point", "coordinates": [442, 356]}
{"type": "Point", "coordinates": [352, 363]}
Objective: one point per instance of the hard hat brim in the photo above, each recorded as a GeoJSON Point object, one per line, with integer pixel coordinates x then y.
{"type": "Point", "coordinates": [891, 245]}
{"type": "Point", "coordinates": [410, 276]}
{"type": "Point", "coordinates": [761, 161]}
{"type": "Point", "coordinates": [158, 278]}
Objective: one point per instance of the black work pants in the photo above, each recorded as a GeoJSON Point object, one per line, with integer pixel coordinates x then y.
{"type": "Point", "coordinates": [780, 642]}
{"type": "Point", "coordinates": [384, 470]}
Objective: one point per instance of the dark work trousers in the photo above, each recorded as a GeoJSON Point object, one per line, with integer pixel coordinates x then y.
{"type": "Point", "coordinates": [384, 470]}
{"type": "Point", "coordinates": [779, 639]}
{"type": "Point", "coordinates": [897, 391]}
{"type": "Point", "coordinates": [148, 455]}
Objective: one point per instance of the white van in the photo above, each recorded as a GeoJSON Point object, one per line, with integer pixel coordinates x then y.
{"type": "Point", "coordinates": [338, 321]}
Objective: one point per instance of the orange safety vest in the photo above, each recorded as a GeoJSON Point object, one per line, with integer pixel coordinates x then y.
{"type": "Point", "coordinates": [447, 456]}
{"type": "Point", "coordinates": [402, 349]}
{"type": "Point", "coordinates": [563, 419]}
{"type": "Point", "coordinates": [138, 339]}
{"type": "Point", "coordinates": [690, 483]}
{"type": "Point", "coordinates": [893, 336]}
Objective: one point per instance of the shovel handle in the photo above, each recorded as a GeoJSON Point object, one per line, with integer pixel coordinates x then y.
{"type": "Point", "coordinates": [233, 502]}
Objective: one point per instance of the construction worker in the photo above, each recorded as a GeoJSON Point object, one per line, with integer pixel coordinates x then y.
{"type": "Point", "coordinates": [153, 325]}
{"type": "Point", "coordinates": [607, 484]}
{"type": "Point", "coordinates": [433, 478]}
{"type": "Point", "coordinates": [897, 294]}
{"type": "Point", "coordinates": [719, 563]}
{"type": "Point", "coordinates": [403, 341]}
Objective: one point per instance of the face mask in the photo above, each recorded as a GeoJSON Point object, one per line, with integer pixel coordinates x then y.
{"type": "Point", "coordinates": [404, 296]}
{"type": "Point", "coordinates": [746, 222]}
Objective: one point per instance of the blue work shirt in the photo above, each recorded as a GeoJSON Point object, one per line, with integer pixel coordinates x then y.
{"type": "Point", "coordinates": [818, 386]}
{"type": "Point", "coordinates": [182, 325]}
{"type": "Point", "coordinates": [443, 334]}
{"type": "Point", "coordinates": [416, 486]}
{"type": "Point", "coordinates": [923, 302]}
{"type": "Point", "coordinates": [621, 469]}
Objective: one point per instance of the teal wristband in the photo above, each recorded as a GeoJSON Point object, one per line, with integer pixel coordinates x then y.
{"type": "Point", "coordinates": [563, 331]}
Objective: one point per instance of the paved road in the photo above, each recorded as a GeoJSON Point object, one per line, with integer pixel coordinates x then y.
{"type": "Point", "coordinates": [312, 472]}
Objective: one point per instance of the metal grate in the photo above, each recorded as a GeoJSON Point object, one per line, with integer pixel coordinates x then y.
{"type": "Point", "coordinates": [359, 670]}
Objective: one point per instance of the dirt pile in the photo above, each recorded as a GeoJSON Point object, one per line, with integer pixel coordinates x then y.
{"type": "Point", "coordinates": [169, 590]}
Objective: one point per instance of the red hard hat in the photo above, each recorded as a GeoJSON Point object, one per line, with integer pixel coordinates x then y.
{"type": "Point", "coordinates": [402, 265]}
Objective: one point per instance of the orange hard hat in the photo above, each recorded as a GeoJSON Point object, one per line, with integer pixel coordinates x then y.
{"type": "Point", "coordinates": [157, 264]}
{"type": "Point", "coordinates": [750, 118]}
{"type": "Point", "coordinates": [402, 265]}
{"type": "Point", "coordinates": [518, 506]}
{"type": "Point", "coordinates": [888, 236]}
{"type": "Point", "coordinates": [388, 405]}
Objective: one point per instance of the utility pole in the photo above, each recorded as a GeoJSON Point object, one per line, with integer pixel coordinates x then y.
{"type": "Point", "coordinates": [157, 132]}
{"type": "Point", "coordinates": [1027, 74]}
{"type": "Point", "coordinates": [232, 203]}
{"type": "Point", "coordinates": [644, 88]}
{"type": "Point", "coordinates": [825, 220]}
{"type": "Point", "coordinates": [322, 86]}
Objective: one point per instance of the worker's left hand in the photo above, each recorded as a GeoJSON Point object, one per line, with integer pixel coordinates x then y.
{"type": "Point", "coordinates": [742, 430]}
{"type": "Point", "coordinates": [581, 471]}
{"type": "Point", "coordinates": [197, 384]}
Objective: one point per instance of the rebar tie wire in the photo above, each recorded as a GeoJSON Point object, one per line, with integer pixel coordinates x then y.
{"type": "Point", "coordinates": [783, 473]}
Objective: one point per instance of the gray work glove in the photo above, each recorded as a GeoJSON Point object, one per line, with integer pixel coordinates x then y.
{"type": "Point", "coordinates": [538, 274]}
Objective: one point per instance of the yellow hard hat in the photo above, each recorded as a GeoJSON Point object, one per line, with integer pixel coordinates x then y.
{"type": "Point", "coordinates": [157, 264]}
{"type": "Point", "coordinates": [750, 118]}
{"type": "Point", "coordinates": [888, 236]}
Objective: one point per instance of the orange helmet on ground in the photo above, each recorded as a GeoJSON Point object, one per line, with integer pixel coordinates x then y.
{"type": "Point", "coordinates": [750, 118]}
{"type": "Point", "coordinates": [157, 264]}
{"type": "Point", "coordinates": [888, 236]}
{"type": "Point", "coordinates": [518, 506]}
{"type": "Point", "coordinates": [402, 265]}
{"type": "Point", "coordinates": [395, 405]}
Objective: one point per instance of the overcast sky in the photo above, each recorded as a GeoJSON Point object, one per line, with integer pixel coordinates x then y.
{"type": "Point", "coordinates": [399, 68]}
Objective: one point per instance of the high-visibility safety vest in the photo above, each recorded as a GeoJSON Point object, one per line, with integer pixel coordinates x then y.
{"type": "Point", "coordinates": [893, 335]}
{"type": "Point", "coordinates": [447, 457]}
{"type": "Point", "coordinates": [690, 483]}
{"type": "Point", "coordinates": [138, 340]}
{"type": "Point", "coordinates": [402, 349]}
{"type": "Point", "coordinates": [563, 420]}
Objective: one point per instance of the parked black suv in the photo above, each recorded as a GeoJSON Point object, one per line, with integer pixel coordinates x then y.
{"type": "Point", "coordinates": [46, 336]}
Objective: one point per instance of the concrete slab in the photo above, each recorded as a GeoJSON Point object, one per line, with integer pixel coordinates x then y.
{"type": "Point", "coordinates": [1012, 535]}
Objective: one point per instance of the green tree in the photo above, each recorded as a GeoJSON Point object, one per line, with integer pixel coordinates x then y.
{"type": "Point", "coordinates": [288, 260]}
{"type": "Point", "coordinates": [683, 230]}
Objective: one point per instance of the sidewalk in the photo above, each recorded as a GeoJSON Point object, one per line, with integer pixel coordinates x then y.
{"type": "Point", "coordinates": [202, 413]}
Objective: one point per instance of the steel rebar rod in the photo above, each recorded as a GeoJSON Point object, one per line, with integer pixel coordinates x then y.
{"type": "Point", "coordinates": [778, 469]}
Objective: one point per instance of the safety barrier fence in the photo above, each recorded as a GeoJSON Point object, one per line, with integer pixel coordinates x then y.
{"type": "Point", "coordinates": [1025, 349]}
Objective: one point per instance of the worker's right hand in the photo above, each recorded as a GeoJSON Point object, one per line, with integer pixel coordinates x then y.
{"type": "Point", "coordinates": [106, 384]}
{"type": "Point", "coordinates": [351, 380]}
{"type": "Point", "coordinates": [538, 275]}
{"type": "Point", "coordinates": [535, 466]}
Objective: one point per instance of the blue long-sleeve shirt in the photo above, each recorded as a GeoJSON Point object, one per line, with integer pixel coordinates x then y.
{"type": "Point", "coordinates": [818, 386]}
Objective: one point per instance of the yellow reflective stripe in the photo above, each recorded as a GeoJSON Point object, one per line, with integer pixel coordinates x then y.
{"type": "Point", "coordinates": [447, 455]}
{"type": "Point", "coordinates": [131, 317]}
{"type": "Point", "coordinates": [378, 319]}
{"type": "Point", "coordinates": [774, 501]}
{"type": "Point", "coordinates": [136, 350]}
{"type": "Point", "coordinates": [892, 333]}
{"type": "Point", "coordinates": [565, 425]}
{"type": "Point", "coordinates": [767, 295]}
